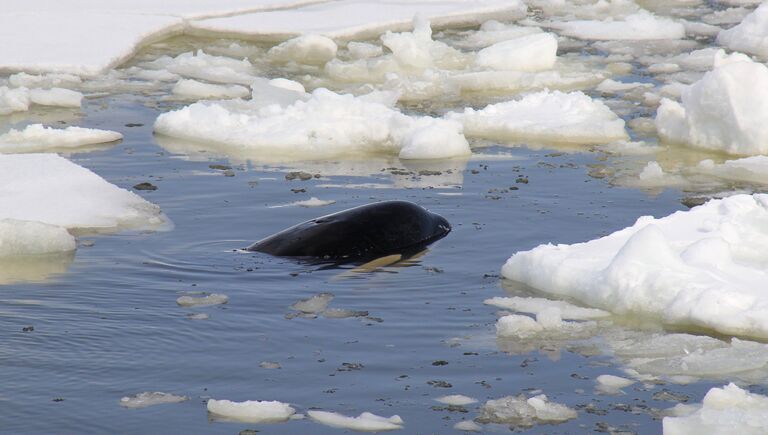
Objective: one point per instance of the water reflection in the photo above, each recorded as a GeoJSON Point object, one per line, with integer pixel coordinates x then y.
{"type": "Point", "coordinates": [34, 268]}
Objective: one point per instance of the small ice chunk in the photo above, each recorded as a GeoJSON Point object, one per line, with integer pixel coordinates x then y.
{"type": "Point", "coordinates": [638, 26]}
{"type": "Point", "coordinates": [306, 49]}
{"type": "Point", "coordinates": [58, 97]}
{"type": "Point", "coordinates": [290, 85]}
{"type": "Point", "coordinates": [365, 422]}
{"type": "Point", "coordinates": [531, 53]}
{"type": "Point", "coordinates": [341, 313]}
{"type": "Point", "coordinates": [538, 305]}
{"type": "Point", "coordinates": [437, 139]}
{"type": "Point", "coordinates": [364, 50]}
{"type": "Point", "coordinates": [545, 116]}
{"type": "Point", "coordinates": [142, 400]}
{"type": "Point", "coordinates": [33, 238]}
{"type": "Point", "coordinates": [314, 304]}
{"type": "Point", "coordinates": [13, 100]}
{"type": "Point", "coordinates": [456, 400]}
{"type": "Point", "coordinates": [202, 301]}
{"type": "Point", "coordinates": [723, 411]}
{"type": "Point", "coordinates": [749, 36]}
{"type": "Point", "coordinates": [418, 51]}
{"type": "Point", "coordinates": [612, 385]}
{"type": "Point", "coordinates": [522, 411]}
{"type": "Point", "coordinates": [194, 89]}
{"type": "Point", "coordinates": [468, 426]}
{"type": "Point", "coordinates": [198, 316]}
{"type": "Point", "coordinates": [51, 80]}
{"type": "Point", "coordinates": [251, 411]}
{"type": "Point", "coordinates": [315, 202]}
{"type": "Point", "coordinates": [36, 137]}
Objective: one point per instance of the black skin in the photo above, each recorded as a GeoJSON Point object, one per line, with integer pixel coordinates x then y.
{"type": "Point", "coordinates": [362, 233]}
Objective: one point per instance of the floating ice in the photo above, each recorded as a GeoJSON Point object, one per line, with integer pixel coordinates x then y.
{"type": "Point", "coordinates": [365, 422]}
{"type": "Point", "coordinates": [703, 267]}
{"type": "Point", "coordinates": [702, 120]}
{"type": "Point", "coordinates": [311, 202]}
{"type": "Point", "coordinates": [545, 116]}
{"type": "Point", "coordinates": [52, 80]}
{"type": "Point", "coordinates": [202, 301]}
{"type": "Point", "coordinates": [531, 53]}
{"type": "Point", "coordinates": [538, 305]}
{"type": "Point", "coordinates": [251, 411]}
{"type": "Point", "coordinates": [187, 88]}
{"type": "Point", "coordinates": [326, 124]}
{"type": "Point", "coordinates": [50, 189]}
{"type": "Point", "coordinates": [456, 400]}
{"type": "Point", "coordinates": [468, 426]}
{"type": "Point", "coordinates": [13, 100]}
{"type": "Point", "coordinates": [142, 400]}
{"type": "Point", "coordinates": [751, 35]}
{"type": "Point", "coordinates": [33, 238]}
{"type": "Point", "coordinates": [522, 411]}
{"type": "Point", "coordinates": [723, 411]}
{"type": "Point", "coordinates": [641, 25]}
{"type": "Point", "coordinates": [36, 137]}
{"type": "Point", "coordinates": [749, 169]}
{"type": "Point", "coordinates": [548, 324]}
{"type": "Point", "coordinates": [492, 32]}
{"type": "Point", "coordinates": [314, 304]}
{"type": "Point", "coordinates": [203, 66]}
{"type": "Point", "coordinates": [610, 384]}
{"type": "Point", "coordinates": [307, 49]}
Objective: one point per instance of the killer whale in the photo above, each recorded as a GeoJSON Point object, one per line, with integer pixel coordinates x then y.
{"type": "Point", "coordinates": [364, 232]}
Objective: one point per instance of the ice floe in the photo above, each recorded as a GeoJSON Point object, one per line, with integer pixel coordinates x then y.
{"type": "Point", "coordinates": [36, 137]}
{"type": "Point", "coordinates": [50, 189]}
{"type": "Point", "coordinates": [723, 411]}
{"type": "Point", "coordinates": [523, 411]}
{"type": "Point", "coordinates": [202, 301]}
{"type": "Point", "coordinates": [203, 66]}
{"type": "Point", "coordinates": [641, 25]}
{"type": "Point", "coordinates": [531, 53]}
{"type": "Point", "coordinates": [703, 121]}
{"type": "Point", "coordinates": [545, 117]}
{"type": "Point", "coordinates": [456, 400]}
{"type": "Point", "coordinates": [193, 89]}
{"type": "Point", "coordinates": [749, 169]}
{"type": "Point", "coordinates": [314, 304]}
{"type": "Point", "coordinates": [548, 324]}
{"type": "Point", "coordinates": [251, 411]}
{"type": "Point", "coordinates": [365, 422]}
{"type": "Point", "coordinates": [539, 305]}
{"type": "Point", "coordinates": [751, 35]}
{"type": "Point", "coordinates": [612, 385]}
{"type": "Point", "coordinates": [308, 49]}
{"type": "Point", "coordinates": [142, 400]}
{"type": "Point", "coordinates": [33, 238]}
{"type": "Point", "coordinates": [701, 267]}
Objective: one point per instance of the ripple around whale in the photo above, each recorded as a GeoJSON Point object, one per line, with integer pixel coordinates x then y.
{"type": "Point", "coordinates": [361, 233]}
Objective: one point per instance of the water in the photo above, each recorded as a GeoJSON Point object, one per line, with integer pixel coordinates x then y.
{"type": "Point", "coordinates": [106, 323]}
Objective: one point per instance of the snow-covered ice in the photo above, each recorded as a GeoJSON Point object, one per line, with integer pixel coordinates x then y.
{"type": "Point", "coordinates": [142, 400]}
{"type": "Point", "coordinates": [365, 422]}
{"type": "Point", "coordinates": [749, 36]}
{"type": "Point", "coordinates": [702, 120]}
{"type": "Point", "coordinates": [468, 426]}
{"type": "Point", "coordinates": [545, 116]}
{"type": "Point", "coordinates": [702, 267]}
{"type": "Point", "coordinates": [50, 189]}
{"type": "Point", "coordinates": [251, 411]}
{"type": "Point", "coordinates": [723, 411]}
{"type": "Point", "coordinates": [748, 169]}
{"type": "Point", "coordinates": [33, 238]}
{"type": "Point", "coordinates": [36, 137]}
{"type": "Point", "coordinates": [537, 305]}
{"type": "Point", "coordinates": [308, 49]}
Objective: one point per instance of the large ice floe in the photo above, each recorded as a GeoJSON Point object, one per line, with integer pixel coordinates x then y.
{"type": "Point", "coordinates": [723, 411]}
{"type": "Point", "coordinates": [704, 121]}
{"type": "Point", "coordinates": [699, 268]}
{"type": "Point", "coordinates": [322, 124]}
{"type": "Point", "coordinates": [51, 190]}
{"type": "Point", "coordinates": [749, 36]}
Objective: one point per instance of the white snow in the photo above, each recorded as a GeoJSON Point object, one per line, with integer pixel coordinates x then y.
{"type": "Point", "coordinates": [202, 301]}
{"type": "Point", "coordinates": [702, 267]}
{"type": "Point", "coordinates": [251, 411]}
{"type": "Point", "coordinates": [306, 49]}
{"type": "Point", "coordinates": [193, 89]}
{"type": "Point", "coordinates": [641, 25]}
{"type": "Point", "coordinates": [519, 410]}
{"type": "Point", "coordinates": [723, 411]}
{"type": "Point", "coordinates": [360, 19]}
{"type": "Point", "coordinates": [751, 35]}
{"type": "Point", "coordinates": [545, 116]}
{"type": "Point", "coordinates": [321, 125]}
{"type": "Point", "coordinates": [36, 137]}
{"type": "Point", "coordinates": [612, 385]}
{"type": "Point", "coordinates": [50, 189]}
{"type": "Point", "coordinates": [456, 400]}
{"type": "Point", "coordinates": [13, 100]}
{"type": "Point", "coordinates": [702, 120]}
{"type": "Point", "coordinates": [531, 53]}
{"type": "Point", "coordinates": [365, 422]}
{"type": "Point", "coordinates": [142, 400]}
{"type": "Point", "coordinates": [33, 238]}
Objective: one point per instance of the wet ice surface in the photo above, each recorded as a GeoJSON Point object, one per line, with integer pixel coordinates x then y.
{"type": "Point", "coordinates": [87, 329]}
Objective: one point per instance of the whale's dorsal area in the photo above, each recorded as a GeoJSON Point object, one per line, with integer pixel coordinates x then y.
{"type": "Point", "coordinates": [364, 232]}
